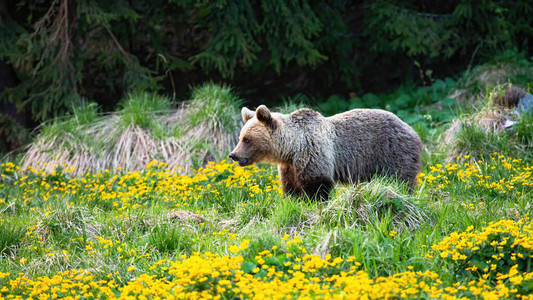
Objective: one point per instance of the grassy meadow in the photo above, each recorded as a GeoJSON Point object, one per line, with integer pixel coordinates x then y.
{"type": "Point", "coordinates": [85, 226]}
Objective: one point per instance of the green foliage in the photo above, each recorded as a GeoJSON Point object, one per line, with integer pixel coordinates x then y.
{"type": "Point", "coordinates": [126, 46]}
{"type": "Point", "coordinates": [337, 103]}
{"type": "Point", "coordinates": [292, 104]}
{"type": "Point", "coordinates": [214, 105]}
{"type": "Point", "coordinates": [85, 113]}
{"type": "Point", "coordinates": [381, 202]}
{"type": "Point", "coordinates": [279, 32]}
{"type": "Point", "coordinates": [288, 214]}
{"type": "Point", "coordinates": [503, 67]}
{"type": "Point", "coordinates": [447, 30]}
{"type": "Point", "coordinates": [482, 131]}
{"type": "Point", "coordinates": [497, 249]}
{"type": "Point", "coordinates": [66, 223]}
{"type": "Point", "coordinates": [429, 105]}
{"type": "Point", "coordinates": [406, 30]}
{"type": "Point", "coordinates": [170, 238]}
{"type": "Point", "coordinates": [70, 127]}
{"type": "Point", "coordinates": [11, 236]}
{"type": "Point", "coordinates": [12, 133]}
{"type": "Point", "coordinates": [476, 141]}
{"type": "Point", "coordinates": [140, 109]}
{"type": "Point", "coordinates": [523, 130]}
{"type": "Point", "coordinates": [79, 116]}
{"type": "Point", "coordinates": [59, 61]}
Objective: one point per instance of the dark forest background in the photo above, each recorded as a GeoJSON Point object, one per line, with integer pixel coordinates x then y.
{"type": "Point", "coordinates": [55, 55]}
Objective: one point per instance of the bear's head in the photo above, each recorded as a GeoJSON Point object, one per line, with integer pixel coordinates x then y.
{"type": "Point", "coordinates": [256, 141]}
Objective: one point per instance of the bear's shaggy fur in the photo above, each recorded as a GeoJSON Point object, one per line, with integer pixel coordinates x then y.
{"type": "Point", "coordinates": [313, 152]}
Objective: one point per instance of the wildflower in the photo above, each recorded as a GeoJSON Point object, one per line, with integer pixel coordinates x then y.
{"type": "Point", "coordinates": [233, 249]}
{"type": "Point", "coordinates": [244, 244]}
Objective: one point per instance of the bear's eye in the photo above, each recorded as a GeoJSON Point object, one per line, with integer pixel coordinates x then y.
{"type": "Point", "coordinates": [245, 140]}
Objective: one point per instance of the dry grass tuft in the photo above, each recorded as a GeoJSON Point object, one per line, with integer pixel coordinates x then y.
{"type": "Point", "coordinates": [74, 221]}
{"type": "Point", "coordinates": [113, 142]}
{"type": "Point", "coordinates": [487, 120]}
{"type": "Point", "coordinates": [371, 201]}
{"type": "Point", "coordinates": [475, 83]}
{"type": "Point", "coordinates": [384, 199]}
{"type": "Point", "coordinates": [228, 224]}
{"type": "Point", "coordinates": [508, 96]}
{"type": "Point", "coordinates": [483, 131]}
{"type": "Point", "coordinates": [179, 216]}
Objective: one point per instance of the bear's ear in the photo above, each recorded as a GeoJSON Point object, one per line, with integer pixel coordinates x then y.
{"type": "Point", "coordinates": [246, 114]}
{"type": "Point", "coordinates": [263, 114]}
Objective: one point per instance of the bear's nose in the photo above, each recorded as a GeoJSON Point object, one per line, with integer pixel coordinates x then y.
{"type": "Point", "coordinates": [233, 156]}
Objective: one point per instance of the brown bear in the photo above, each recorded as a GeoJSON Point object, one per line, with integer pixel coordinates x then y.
{"type": "Point", "coordinates": [313, 152]}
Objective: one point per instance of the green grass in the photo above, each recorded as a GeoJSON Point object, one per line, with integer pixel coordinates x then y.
{"type": "Point", "coordinates": [214, 105]}
{"type": "Point", "coordinates": [287, 215]}
{"type": "Point", "coordinates": [123, 225]}
{"type": "Point", "coordinates": [385, 230]}
{"type": "Point", "coordinates": [11, 237]}
{"type": "Point", "coordinates": [523, 131]}
{"type": "Point", "coordinates": [170, 238]}
{"type": "Point", "coordinates": [140, 109]}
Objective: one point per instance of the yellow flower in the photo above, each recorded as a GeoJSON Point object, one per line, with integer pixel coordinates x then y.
{"type": "Point", "coordinates": [244, 244]}
{"type": "Point", "coordinates": [233, 249]}
{"type": "Point", "coordinates": [516, 280]}
{"type": "Point", "coordinates": [131, 268]}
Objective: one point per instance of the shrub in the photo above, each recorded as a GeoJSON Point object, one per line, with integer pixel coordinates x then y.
{"type": "Point", "coordinates": [498, 248]}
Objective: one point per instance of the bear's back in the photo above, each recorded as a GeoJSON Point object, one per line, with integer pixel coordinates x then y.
{"type": "Point", "coordinates": [373, 141]}
{"type": "Point", "coordinates": [372, 124]}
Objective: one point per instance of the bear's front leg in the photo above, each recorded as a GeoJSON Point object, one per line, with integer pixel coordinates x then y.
{"type": "Point", "coordinates": [315, 171]}
{"type": "Point", "coordinates": [317, 188]}
{"type": "Point", "coordinates": [289, 182]}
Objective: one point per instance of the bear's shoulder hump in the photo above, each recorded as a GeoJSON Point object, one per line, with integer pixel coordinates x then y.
{"type": "Point", "coordinates": [305, 115]}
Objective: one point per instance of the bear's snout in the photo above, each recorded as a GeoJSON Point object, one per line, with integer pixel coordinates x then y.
{"type": "Point", "coordinates": [242, 161]}
{"type": "Point", "coordinates": [233, 156]}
